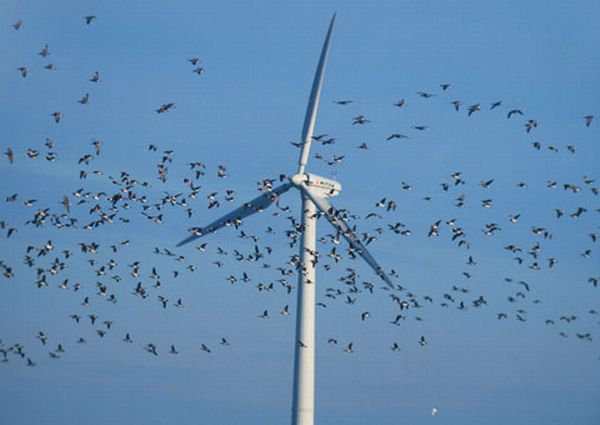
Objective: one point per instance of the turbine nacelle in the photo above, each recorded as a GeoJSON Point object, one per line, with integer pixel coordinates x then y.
{"type": "Point", "coordinates": [321, 186]}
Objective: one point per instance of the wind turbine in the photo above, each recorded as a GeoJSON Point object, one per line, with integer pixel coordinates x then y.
{"type": "Point", "coordinates": [314, 191]}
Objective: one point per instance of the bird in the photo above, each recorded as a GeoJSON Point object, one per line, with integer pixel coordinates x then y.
{"type": "Point", "coordinates": [97, 144]}
{"type": "Point", "coordinates": [9, 155]}
{"type": "Point", "coordinates": [588, 120]}
{"type": "Point", "coordinates": [349, 348]}
{"type": "Point", "coordinates": [57, 116]}
{"type": "Point", "coordinates": [151, 348]}
{"type": "Point", "coordinates": [44, 52]}
{"type": "Point", "coordinates": [165, 107]}
{"type": "Point", "coordinates": [89, 19]}
{"type": "Point", "coordinates": [18, 25]}
{"type": "Point", "coordinates": [359, 119]}
{"type": "Point", "coordinates": [513, 112]}
{"type": "Point", "coordinates": [473, 108]}
{"type": "Point", "coordinates": [42, 337]}
{"type": "Point", "coordinates": [396, 136]}
{"type": "Point", "coordinates": [23, 70]}
{"type": "Point", "coordinates": [486, 184]}
{"type": "Point", "coordinates": [531, 124]}
{"type": "Point", "coordinates": [85, 99]}
{"type": "Point", "coordinates": [343, 102]}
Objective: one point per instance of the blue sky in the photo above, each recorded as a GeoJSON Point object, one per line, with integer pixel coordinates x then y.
{"type": "Point", "coordinates": [242, 113]}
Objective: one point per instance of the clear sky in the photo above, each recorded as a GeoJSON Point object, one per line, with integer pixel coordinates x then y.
{"type": "Point", "coordinates": [259, 58]}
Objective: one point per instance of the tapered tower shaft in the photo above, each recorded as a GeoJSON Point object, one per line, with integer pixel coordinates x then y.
{"type": "Point", "coordinates": [303, 405]}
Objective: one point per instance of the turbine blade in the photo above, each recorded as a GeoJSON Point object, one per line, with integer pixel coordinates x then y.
{"type": "Point", "coordinates": [256, 205]}
{"type": "Point", "coordinates": [355, 243]}
{"type": "Point", "coordinates": [313, 101]}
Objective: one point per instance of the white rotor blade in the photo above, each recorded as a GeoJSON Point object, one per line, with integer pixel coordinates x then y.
{"type": "Point", "coordinates": [355, 243]}
{"type": "Point", "coordinates": [313, 101]}
{"type": "Point", "coordinates": [258, 204]}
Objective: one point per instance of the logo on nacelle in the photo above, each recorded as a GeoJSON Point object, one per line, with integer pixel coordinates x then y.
{"type": "Point", "coordinates": [323, 183]}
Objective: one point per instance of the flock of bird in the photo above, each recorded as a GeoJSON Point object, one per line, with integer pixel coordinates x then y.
{"type": "Point", "coordinates": [126, 199]}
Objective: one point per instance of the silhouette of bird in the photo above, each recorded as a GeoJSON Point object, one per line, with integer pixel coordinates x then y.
{"type": "Point", "coordinates": [513, 112]}
{"type": "Point", "coordinates": [165, 107]}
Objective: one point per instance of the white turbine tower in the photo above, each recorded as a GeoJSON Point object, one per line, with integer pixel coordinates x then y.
{"type": "Point", "coordinates": [314, 191]}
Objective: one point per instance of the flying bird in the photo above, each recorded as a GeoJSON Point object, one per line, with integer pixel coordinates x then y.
{"type": "Point", "coordinates": [513, 112]}
{"type": "Point", "coordinates": [165, 107]}
{"type": "Point", "coordinates": [44, 52]}
{"type": "Point", "coordinates": [473, 108]}
{"type": "Point", "coordinates": [85, 99]}
{"type": "Point", "coordinates": [9, 155]}
{"type": "Point", "coordinates": [396, 136]}
{"type": "Point", "coordinates": [359, 119]}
